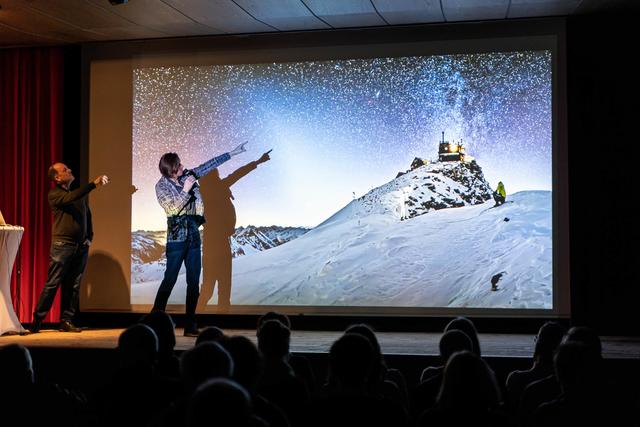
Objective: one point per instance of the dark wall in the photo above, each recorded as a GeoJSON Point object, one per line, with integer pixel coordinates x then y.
{"type": "Point", "coordinates": [604, 178]}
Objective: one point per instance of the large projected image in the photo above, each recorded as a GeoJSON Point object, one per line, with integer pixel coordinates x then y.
{"type": "Point", "coordinates": [385, 183]}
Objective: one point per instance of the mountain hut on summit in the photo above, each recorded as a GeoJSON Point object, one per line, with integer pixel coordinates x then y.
{"type": "Point", "coordinates": [452, 152]}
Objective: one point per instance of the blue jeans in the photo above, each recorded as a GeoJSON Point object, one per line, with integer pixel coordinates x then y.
{"type": "Point", "coordinates": [67, 262]}
{"type": "Point", "coordinates": [177, 253]}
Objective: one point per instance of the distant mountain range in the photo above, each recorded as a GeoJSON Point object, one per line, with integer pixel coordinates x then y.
{"type": "Point", "coordinates": [149, 246]}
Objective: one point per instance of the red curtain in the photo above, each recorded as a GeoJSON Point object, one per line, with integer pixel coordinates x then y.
{"type": "Point", "coordinates": [31, 104]}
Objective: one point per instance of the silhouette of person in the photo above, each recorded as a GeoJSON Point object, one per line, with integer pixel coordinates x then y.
{"type": "Point", "coordinates": [216, 258]}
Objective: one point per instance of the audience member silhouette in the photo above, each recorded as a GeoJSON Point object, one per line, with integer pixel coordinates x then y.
{"type": "Point", "coordinates": [223, 403]}
{"type": "Point", "coordinates": [216, 250]}
{"type": "Point", "coordinates": [248, 366]}
{"type": "Point", "coordinates": [425, 394]}
{"type": "Point", "coordinates": [135, 394]}
{"type": "Point", "coordinates": [199, 364]}
{"type": "Point", "coordinates": [204, 361]}
{"type": "Point", "coordinates": [210, 334]}
{"type": "Point", "coordinates": [465, 325]}
{"type": "Point", "coordinates": [584, 398]}
{"type": "Point", "coordinates": [384, 381]}
{"type": "Point", "coordinates": [347, 400]}
{"type": "Point", "coordinates": [168, 363]}
{"type": "Point", "coordinates": [469, 395]}
{"type": "Point", "coordinates": [547, 340]}
{"type": "Point", "coordinates": [548, 388]}
{"type": "Point", "coordinates": [21, 398]}
{"type": "Point", "coordinates": [300, 364]}
{"type": "Point", "coordinates": [279, 383]}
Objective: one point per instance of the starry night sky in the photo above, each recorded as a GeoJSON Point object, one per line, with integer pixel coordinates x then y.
{"type": "Point", "coordinates": [340, 128]}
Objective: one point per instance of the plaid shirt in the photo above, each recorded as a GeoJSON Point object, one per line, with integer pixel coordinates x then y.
{"type": "Point", "coordinates": [184, 212]}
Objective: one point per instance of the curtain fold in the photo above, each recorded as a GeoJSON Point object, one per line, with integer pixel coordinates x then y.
{"type": "Point", "coordinates": [31, 117]}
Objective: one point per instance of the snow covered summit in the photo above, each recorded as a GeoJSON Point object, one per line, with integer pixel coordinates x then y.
{"type": "Point", "coordinates": [435, 186]}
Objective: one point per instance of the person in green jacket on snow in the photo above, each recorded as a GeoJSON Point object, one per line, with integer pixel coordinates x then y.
{"type": "Point", "coordinates": [500, 195]}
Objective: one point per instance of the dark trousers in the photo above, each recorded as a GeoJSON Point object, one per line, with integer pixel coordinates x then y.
{"type": "Point", "coordinates": [177, 253]}
{"type": "Point", "coordinates": [67, 262]}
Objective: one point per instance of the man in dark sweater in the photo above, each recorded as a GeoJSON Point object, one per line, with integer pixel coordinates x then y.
{"type": "Point", "coordinates": [71, 237]}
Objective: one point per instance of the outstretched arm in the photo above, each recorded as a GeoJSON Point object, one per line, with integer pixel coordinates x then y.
{"type": "Point", "coordinates": [59, 198]}
{"type": "Point", "coordinates": [211, 164]}
{"type": "Point", "coordinates": [244, 170]}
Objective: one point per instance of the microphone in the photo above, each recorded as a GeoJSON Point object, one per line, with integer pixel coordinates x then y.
{"type": "Point", "coordinates": [189, 172]}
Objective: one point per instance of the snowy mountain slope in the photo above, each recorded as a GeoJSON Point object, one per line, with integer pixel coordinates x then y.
{"type": "Point", "coordinates": [436, 186]}
{"type": "Point", "coordinates": [364, 256]}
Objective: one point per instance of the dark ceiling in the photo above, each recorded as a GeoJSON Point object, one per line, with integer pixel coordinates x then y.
{"type": "Point", "coordinates": [58, 22]}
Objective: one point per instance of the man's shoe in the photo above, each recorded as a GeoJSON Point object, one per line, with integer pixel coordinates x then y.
{"type": "Point", "coordinates": [191, 332]}
{"type": "Point", "coordinates": [35, 326]}
{"type": "Point", "coordinates": [67, 326]}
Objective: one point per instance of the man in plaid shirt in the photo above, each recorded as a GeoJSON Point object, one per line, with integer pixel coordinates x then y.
{"type": "Point", "coordinates": [179, 195]}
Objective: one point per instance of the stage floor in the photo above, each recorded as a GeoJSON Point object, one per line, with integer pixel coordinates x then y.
{"type": "Point", "coordinates": [399, 343]}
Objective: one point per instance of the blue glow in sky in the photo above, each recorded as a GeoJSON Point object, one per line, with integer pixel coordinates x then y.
{"type": "Point", "coordinates": [339, 128]}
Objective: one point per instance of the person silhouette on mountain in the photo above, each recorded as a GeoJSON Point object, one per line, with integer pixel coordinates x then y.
{"type": "Point", "coordinates": [500, 195]}
{"type": "Point", "coordinates": [220, 226]}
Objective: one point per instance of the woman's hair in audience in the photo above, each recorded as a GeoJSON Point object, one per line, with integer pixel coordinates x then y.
{"type": "Point", "coordinates": [274, 315]}
{"type": "Point", "coordinates": [163, 326]}
{"type": "Point", "coordinates": [351, 360]}
{"type": "Point", "coordinates": [273, 339]}
{"type": "Point", "coordinates": [220, 402]}
{"type": "Point", "coordinates": [465, 325]}
{"type": "Point", "coordinates": [210, 334]}
{"type": "Point", "coordinates": [468, 383]}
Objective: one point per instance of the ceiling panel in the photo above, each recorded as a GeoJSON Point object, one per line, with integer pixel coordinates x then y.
{"type": "Point", "coordinates": [155, 15]}
{"type": "Point", "coordinates": [474, 10]}
{"type": "Point", "coordinates": [11, 37]}
{"type": "Point", "coordinates": [397, 12]}
{"type": "Point", "coordinates": [222, 15]}
{"type": "Point", "coordinates": [284, 15]}
{"type": "Point", "coordinates": [529, 8]}
{"type": "Point", "coordinates": [346, 13]}
{"type": "Point", "coordinates": [28, 21]}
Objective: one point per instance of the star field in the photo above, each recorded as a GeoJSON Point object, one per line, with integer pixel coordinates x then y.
{"type": "Point", "coordinates": [341, 127]}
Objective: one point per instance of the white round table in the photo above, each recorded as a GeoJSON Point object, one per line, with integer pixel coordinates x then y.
{"type": "Point", "coordinates": [10, 236]}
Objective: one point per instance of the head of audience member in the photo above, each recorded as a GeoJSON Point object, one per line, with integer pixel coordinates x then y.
{"type": "Point", "coordinates": [16, 368]}
{"type": "Point", "coordinates": [575, 364]}
{"type": "Point", "coordinates": [351, 361]}
{"type": "Point", "coordinates": [274, 315]}
{"type": "Point", "coordinates": [379, 366]}
{"type": "Point", "coordinates": [203, 362]}
{"type": "Point", "coordinates": [453, 341]}
{"type": "Point", "coordinates": [465, 325]}
{"type": "Point", "coordinates": [586, 336]}
{"type": "Point", "coordinates": [210, 334]}
{"type": "Point", "coordinates": [468, 383]}
{"type": "Point", "coordinates": [247, 361]}
{"type": "Point", "coordinates": [273, 340]}
{"type": "Point", "coordinates": [138, 347]}
{"type": "Point", "coordinates": [221, 402]}
{"type": "Point", "coordinates": [165, 330]}
{"type": "Point", "coordinates": [547, 341]}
